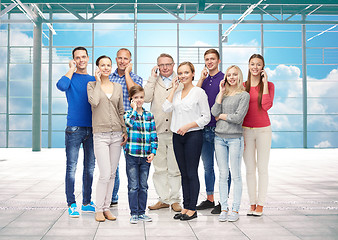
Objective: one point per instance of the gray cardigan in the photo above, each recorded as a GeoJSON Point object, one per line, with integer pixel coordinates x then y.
{"type": "Point", "coordinates": [236, 108]}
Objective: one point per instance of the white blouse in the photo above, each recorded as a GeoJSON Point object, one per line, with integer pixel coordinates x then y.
{"type": "Point", "coordinates": [193, 108]}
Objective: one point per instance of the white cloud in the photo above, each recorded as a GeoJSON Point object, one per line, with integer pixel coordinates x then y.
{"type": "Point", "coordinates": [324, 144]}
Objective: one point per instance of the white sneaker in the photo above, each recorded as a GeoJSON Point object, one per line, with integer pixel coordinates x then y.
{"type": "Point", "coordinates": [223, 217]}
{"type": "Point", "coordinates": [233, 217]}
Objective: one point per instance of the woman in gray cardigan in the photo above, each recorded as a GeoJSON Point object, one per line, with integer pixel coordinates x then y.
{"type": "Point", "coordinates": [109, 133]}
{"type": "Point", "coordinates": [230, 108]}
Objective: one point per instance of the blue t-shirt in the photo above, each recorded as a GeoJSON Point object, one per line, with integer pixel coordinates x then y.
{"type": "Point", "coordinates": [211, 88]}
{"type": "Point", "coordinates": [79, 109]}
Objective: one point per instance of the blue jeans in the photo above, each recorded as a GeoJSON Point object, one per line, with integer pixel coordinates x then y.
{"type": "Point", "coordinates": [187, 151]}
{"type": "Point", "coordinates": [75, 136]}
{"type": "Point", "coordinates": [115, 197]}
{"type": "Point", "coordinates": [207, 154]}
{"type": "Point", "coordinates": [229, 150]}
{"type": "Point", "coordinates": [137, 173]}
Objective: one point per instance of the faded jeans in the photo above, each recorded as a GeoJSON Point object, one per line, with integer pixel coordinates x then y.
{"type": "Point", "coordinates": [74, 137]}
{"type": "Point", "coordinates": [229, 150]}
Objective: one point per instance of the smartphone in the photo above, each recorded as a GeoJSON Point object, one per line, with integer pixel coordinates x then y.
{"type": "Point", "coordinates": [206, 68]}
{"type": "Point", "coordinates": [226, 80]}
{"type": "Point", "coordinates": [156, 71]}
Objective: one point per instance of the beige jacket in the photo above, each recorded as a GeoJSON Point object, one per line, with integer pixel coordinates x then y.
{"type": "Point", "coordinates": [107, 113]}
{"type": "Point", "coordinates": [156, 92]}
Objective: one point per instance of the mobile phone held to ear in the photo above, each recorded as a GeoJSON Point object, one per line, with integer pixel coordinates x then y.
{"type": "Point", "coordinates": [156, 71]}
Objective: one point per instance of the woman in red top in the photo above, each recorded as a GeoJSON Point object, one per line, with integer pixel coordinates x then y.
{"type": "Point", "coordinates": [257, 133]}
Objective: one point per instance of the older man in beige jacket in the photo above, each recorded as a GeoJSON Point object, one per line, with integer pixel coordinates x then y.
{"type": "Point", "coordinates": [167, 177]}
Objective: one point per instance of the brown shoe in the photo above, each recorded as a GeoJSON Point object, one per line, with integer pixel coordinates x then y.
{"type": "Point", "coordinates": [108, 215]}
{"type": "Point", "coordinates": [176, 207]}
{"type": "Point", "coordinates": [158, 205]}
{"type": "Point", "coordinates": [99, 217]}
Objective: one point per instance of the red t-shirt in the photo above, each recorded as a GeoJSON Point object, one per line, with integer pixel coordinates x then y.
{"type": "Point", "coordinates": [256, 118]}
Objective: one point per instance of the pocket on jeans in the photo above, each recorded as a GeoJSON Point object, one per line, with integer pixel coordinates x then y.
{"type": "Point", "coordinates": [71, 129]}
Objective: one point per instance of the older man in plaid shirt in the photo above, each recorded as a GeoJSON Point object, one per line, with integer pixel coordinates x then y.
{"type": "Point", "coordinates": [124, 76]}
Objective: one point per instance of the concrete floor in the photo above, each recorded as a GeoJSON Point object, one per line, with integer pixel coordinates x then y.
{"type": "Point", "coordinates": [302, 202]}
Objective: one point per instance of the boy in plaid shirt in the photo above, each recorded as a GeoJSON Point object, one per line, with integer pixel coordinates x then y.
{"type": "Point", "coordinates": [139, 151]}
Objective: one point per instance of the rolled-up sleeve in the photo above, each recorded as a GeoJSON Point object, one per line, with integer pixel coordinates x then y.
{"type": "Point", "coordinates": [167, 106]}
{"type": "Point", "coordinates": [203, 105]}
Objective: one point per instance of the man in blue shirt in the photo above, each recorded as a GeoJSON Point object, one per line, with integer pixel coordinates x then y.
{"type": "Point", "coordinates": [124, 76]}
{"type": "Point", "coordinates": [79, 130]}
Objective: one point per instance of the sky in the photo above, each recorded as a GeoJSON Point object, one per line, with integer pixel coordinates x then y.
{"type": "Point", "coordinates": [282, 52]}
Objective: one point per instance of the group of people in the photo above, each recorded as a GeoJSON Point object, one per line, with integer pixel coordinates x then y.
{"type": "Point", "coordinates": [220, 116]}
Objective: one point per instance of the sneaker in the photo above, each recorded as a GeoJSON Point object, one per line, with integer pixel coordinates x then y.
{"type": "Point", "coordinates": [205, 205]}
{"type": "Point", "coordinates": [233, 217]}
{"type": "Point", "coordinates": [144, 218]}
{"type": "Point", "coordinates": [217, 209]}
{"type": "Point", "coordinates": [223, 217]}
{"type": "Point", "coordinates": [88, 208]}
{"type": "Point", "coordinates": [73, 212]}
{"type": "Point", "coordinates": [112, 204]}
{"type": "Point", "coordinates": [133, 219]}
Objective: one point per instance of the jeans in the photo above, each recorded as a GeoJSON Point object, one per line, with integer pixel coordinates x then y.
{"type": "Point", "coordinates": [229, 150]}
{"type": "Point", "coordinates": [115, 196]}
{"type": "Point", "coordinates": [187, 150]}
{"type": "Point", "coordinates": [74, 137]}
{"type": "Point", "coordinates": [137, 173]}
{"type": "Point", "coordinates": [107, 149]}
{"type": "Point", "coordinates": [207, 154]}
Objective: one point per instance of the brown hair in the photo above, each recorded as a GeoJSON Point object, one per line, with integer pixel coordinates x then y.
{"type": "Point", "coordinates": [212, 50]}
{"type": "Point", "coordinates": [101, 57]}
{"type": "Point", "coordinates": [165, 55]}
{"type": "Point", "coordinates": [134, 90]}
{"type": "Point", "coordinates": [79, 48]}
{"type": "Point", "coordinates": [190, 65]}
{"type": "Point", "coordinates": [260, 84]}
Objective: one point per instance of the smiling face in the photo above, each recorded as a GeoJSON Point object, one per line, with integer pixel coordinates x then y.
{"type": "Point", "coordinates": [123, 58]}
{"type": "Point", "coordinates": [211, 61]}
{"type": "Point", "coordinates": [256, 66]}
{"type": "Point", "coordinates": [185, 74]}
{"type": "Point", "coordinates": [81, 58]}
{"type": "Point", "coordinates": [105, 67]}
{"type": "Point", "coordinates": [138, 98]}
{"type": "Point", "coordinates": [166, 66]}
{"type": "Point", "coordinates": [232, 77]}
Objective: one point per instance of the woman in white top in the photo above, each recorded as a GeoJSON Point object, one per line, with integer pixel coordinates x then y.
{"type": "Point", "coordinates": [109, 132]}
{"type": "Point", "coordinates": [191, 113]}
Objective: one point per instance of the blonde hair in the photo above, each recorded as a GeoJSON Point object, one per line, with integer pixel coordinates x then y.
{"type": "Point", "coordinates": [240, 88]}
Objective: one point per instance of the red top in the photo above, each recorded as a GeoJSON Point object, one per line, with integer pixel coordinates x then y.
{"type": "Point", "coordinates": [256, 118]}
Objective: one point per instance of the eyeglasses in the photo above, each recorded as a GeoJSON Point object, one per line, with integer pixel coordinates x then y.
{"type": "Point", "coordinates": [165, 65]}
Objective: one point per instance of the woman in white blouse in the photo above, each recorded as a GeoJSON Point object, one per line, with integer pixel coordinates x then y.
{"type": "Point", "coordinates": [191, 113]}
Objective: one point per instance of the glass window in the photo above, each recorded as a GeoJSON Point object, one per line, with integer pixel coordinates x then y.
{"type": "Point", "coordinates": [20, 139]}
{"type": "Point", "coordinates": [287, 140]}
{"type": "Point", "coordinates": [322, 139]}
{"type": "Point", "coordinates": [20, 122]}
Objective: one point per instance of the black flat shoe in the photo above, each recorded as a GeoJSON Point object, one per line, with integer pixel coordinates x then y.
{"type": "Point", "coordinates": [186, 217]}
{"type": "Point", "coordinates": [178, 216]}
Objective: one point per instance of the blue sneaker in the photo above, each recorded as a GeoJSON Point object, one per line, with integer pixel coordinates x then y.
{"type": "Point", "coordinates": [144, 218]}
{"type": "Point", "coordinates": [73, 212]}
{"type": "Point", "coordinates": [88, 208]}
{"type": "Point", "coordinates": [133, 219]}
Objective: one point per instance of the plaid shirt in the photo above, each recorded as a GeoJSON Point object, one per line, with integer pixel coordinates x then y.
{"type": "Point", "coordinates": [115, 77]}
{"type": "Point", "coordinates": [142, 137]}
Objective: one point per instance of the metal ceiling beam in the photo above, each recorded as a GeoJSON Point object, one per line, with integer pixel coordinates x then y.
{"type": "Point", "coordinates": [262, 9]}
{"type": "Point", "coordinates": [72, 11]}
{"type": "Point", "coordinates": [307, 22]}
{"type": "Point", "coordinates": [7, 9]}
{"type": "Point", "coordinates": [102, 11]}
{"type": "Point", "coordinates": [246, 13]}
{"type": "Point", "coordinates": [26, 10]}
{"type": "Point", "coordinates": [298, 12]}
{"type": "Point", "coordinates": [168, 11]}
